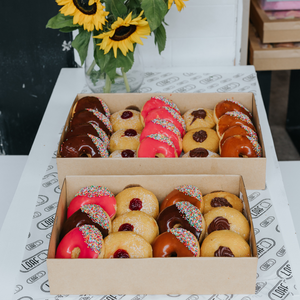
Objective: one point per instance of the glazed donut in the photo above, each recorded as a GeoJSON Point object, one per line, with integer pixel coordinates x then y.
{"type": "Point", "coordinates": [126, 244]}
{"type": "Point", "coordinates": [90, 214]}
{"type": "Point", "coordinates": [157, 102]}
{"type": "Point", "coordinates": [126, 119]}
{"type": "Point", "coordinates": [137, 198]}
{"type": "Point", "coordinates": [92, 103]}
{"type": "Point", "coordinates": [229, 105]}
{"type": "Point", "coordinates": [166, 128]}
{"type": "Point", "coordinates": [99, 195]}
{"type": "Point", "coordinates": [221, 199]}
{"type": "Point", "coordinates": [188, 193]}
{"type": "Point", "coordinates": [177, 242]}
{"type": "Point", "coordinates": [127, 153]}
{"type": "Point", "coordinates": [230, 119]}
{"type": "Point", "coordinates": [83, 146]}
{"type": "Point", "coordinates": [125, 139]}
{"type": "Point", "coordinates": [201, 137]}
{"type": "Point", "coordinates": [225, 243]}
{"type": "Point", "coordinates": [200, 152]}
{"type": "Point", "coordinates": [169, 114]}
{"type": "Point", "coordinates": [85, 241]}
{"type": "Point", "coordinates": [138, 222]}
{"type": "Point", "coordinates": [240, 146]}
{"type": "Point", "coordinates": [199, 117]}
{"type": "Point", "coordinates": [182, 214]}
{"type": "Point", "coordinates": [227, 218]}
{"type": "Point", "coordinates": [156, 145]}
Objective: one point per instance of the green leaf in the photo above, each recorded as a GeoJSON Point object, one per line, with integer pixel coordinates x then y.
{"type": "Point", "coordinates": [133, 5]}
{"type": "Point", "coordinates": [118, 8]}
{"type": "Point", "coordinates": [125, 62]}
{"type": "Point", "coordinates": [61, 21]}
{"type": "Point", "coordinates": [81, 43]}
{"type": "Point", "coordinates": [160, 38]}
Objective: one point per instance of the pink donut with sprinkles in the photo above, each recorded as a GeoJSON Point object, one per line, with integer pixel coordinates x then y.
{"type": "Point", "coordinates": [166, 128]}
{"type": "Point", "coordinates": [94, 195]}
{"type": "Point", "coordinates": [85, 241]}
{"type": "Point", "coordinates": [156, 145]}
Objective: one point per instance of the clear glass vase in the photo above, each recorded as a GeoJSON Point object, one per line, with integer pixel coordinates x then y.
{"type": "Point", "coordinates": [128, 82]}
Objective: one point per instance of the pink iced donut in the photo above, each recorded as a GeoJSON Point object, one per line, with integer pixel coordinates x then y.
{"type": "Point", "coordinates": [162, 126]}
{"type": "Point", "coordinates": [85, 241]}
{"type": "Point", "coordinates": [168, 114]}
{"type": "Point", "coordinates": [157, 102]}
{"type": "Point", "coordinates": [94, 195]}
{"type": "Point", "coordinates": [156, 145]}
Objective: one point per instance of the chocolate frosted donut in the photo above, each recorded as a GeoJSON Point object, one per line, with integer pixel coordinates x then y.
{"type": "Point", "coordinates": [200, 152]}
{"type": "Point", "coordinates": [199, 117]}
{"type": "Point", "coordinates": [93, 103]}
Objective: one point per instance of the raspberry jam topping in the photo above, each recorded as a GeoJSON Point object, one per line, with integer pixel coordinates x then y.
{"type": "Point", "coordinates": [135, 204]}
{"type": "Point", "coordinates": [127, 153]}
{"type": "Point", "coordinates": [127, 114]}
{"type": "Point", "coordinates": [130, 132]}
{"type": "Point", "coordinates": [120, 253]}
{"type": "Point", "coordinates": [126, 227]}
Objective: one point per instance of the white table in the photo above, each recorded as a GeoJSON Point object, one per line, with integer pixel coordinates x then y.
{"type": "Point", "coordinates": [19, 217]}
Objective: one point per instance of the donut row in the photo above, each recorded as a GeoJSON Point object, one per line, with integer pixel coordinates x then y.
{"type": "Point", "coordinates": [133, 224]}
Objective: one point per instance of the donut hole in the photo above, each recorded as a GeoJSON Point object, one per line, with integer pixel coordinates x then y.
{"type": "Point", "coordinates": [84, 155]}
{"type": "Point", "coordinates": [75, 252]}
{"type": "Point", "coordinates": [178, 225]}
{"type": "Point", "coordinates": [173, 254]}
{"type": "Point", "coordinates": [159, 155]}
{"type": "Point", "coordinates": [121, 253]}
{"type": "Point", "coordinates": [133, 107]}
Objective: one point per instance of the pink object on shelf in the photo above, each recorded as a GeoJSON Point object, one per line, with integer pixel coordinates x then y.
{"type": "Point", "coordinates": [280, 5]}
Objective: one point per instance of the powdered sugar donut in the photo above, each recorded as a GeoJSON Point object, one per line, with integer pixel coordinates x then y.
{"type": "Point", "coordinates": [200, 152]}
{"type": "Point", "coordinates": [125, 139]}
{"type": "Point", "coordinates": [126, 119]}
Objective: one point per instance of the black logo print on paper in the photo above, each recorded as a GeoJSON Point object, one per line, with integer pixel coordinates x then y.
{"type": "Point", "coordinates": [18, 288]}
{"type": "Point", "coordinates": [220, 297]}
{"type": "Point", "coordinates": [253, 196]}
{"type": "Point", "coordinates": [228, 87]}
{"type": "Point", "coordinates": [264, 245]}
{"type": "Point", "coordinates": [51, 207]}
{"type": "Point", "coordinates": [250, 77]}
{"type": "Point", "coordinates": [42, 199]}
{"type": "Point", "coordinates": [34, 245]}
{"type": "Point", "coordinates": [33, 261]}
{"type": "Point", "coordinates": [34, 278]}
{"type": "Point", "coordinates": [210, 79]}
{"type": "Point", "coordinates": [260, 208]}
{"type": "Point", "coordinates": [185, 89]}
{"type": "Point", "coordinates": [281, 252]}
{"type": "Point", "coordinates": [267, 222]}
{"type": "Point", "coordinates": [268, 264]}
{"type": "Point", "coordinates": [46, 223]}
{"type": "Point", "coordinates": [259, 286]}
{"type": "Point", "coordinates": [285, 271]}
{"type": "Point", "coordinates": [279, 291]}
{"type": "Point", "coordinates": [45, 287]}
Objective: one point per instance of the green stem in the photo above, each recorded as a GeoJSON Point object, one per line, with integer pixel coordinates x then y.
{"type": "Point", "coordinates": [107, 86]}
{"type": "Point", "coordinates": [125, 80]}
{"type": "Point", "coordinates": [90, 69]}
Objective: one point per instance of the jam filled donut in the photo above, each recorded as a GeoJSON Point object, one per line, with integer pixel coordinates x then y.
{"type": "Point", "coordinates": [85, 241]}
{"type": "Point", "coordinates": [137, 198]}
{"type": "Point", "coordinates": [199, 117]}
{"type": "Point", "coordinates": [221, 199]}
{"type": "Point", "coordinates": [225, 243]}
{"type": "Point", "coordinates": [188, 193]}
{"type": "Point", "coordinates": [126, 119]}
{"type": "Point", "coordinates": [127, 153]}
{"type": "Point", "coordinates": [166, 128]}
{"type": "Point", "coordinates": [226, 218]}
{"type": "Point", "coordinates": [200, 152]}
{"type": "Point", "coordinates": [83, 146]}
{"type": "Point", "coordinates": [99, 195]}
{"type": "Point", "coordinates": [182, 214]}
{"type": "Point", "coordinates": [125, 139]}
{"type": "Point", "coordinates": [138, 222]}
{"type": "Point", "coordinates": [90, 214]}
{"type": "Point", "coordinates": [156, 145]}
{"type": "Point", "coordinates": [126, 244]}
{"type": "Point", "coordinates": [201, 137]}
{"type": "Point", "coordinates": [229, 105]}
{"type": "Point", "coordinates": [177, 242]}
{"type": "Point", "coordinates": [92, 103]}
{"type": "Point", "coordinates": [240, 146]}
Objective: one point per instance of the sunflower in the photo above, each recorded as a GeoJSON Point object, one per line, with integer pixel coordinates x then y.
{"type": "Point", "coordinates": [123, 34]}
{"type": "Point", "coordinates": [88, 13]}
{"type": "Point", "coordinates": [179, 3]}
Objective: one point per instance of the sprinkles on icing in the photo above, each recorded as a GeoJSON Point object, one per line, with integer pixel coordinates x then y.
{"type": "Point", "coordinates": [186, 238]}
{"type": "Point", "coordinates": [239, 115]}
{"type": "Point", "coordinates": [100, 145]}
{"type": "Point", "coordinates": [240, 105]}
{"type": "Point", "coordinates": [103, 136]}
{"type": "Point", "coordinates": [250, 132]}
{"type": "Point", "coordinates": [191, 213]}
{"type": "Point", "coordinates": [256, 146]}
{"type": "Point", "coordinates": [105, 107]}
{"type": "Point", "coordinates": [168, 125]}
{"type": "Point", "coordinates": [102, 118]}
{"type": "Point", "coordinates": [176, 116]}
{"type": "Point", "coordinates": [190, 190]}
{"type": "Point", "coordinates": [167, 101]}
{"type": "Point", "coordinates": [161, 138]}
{"type": "Point", "coordinates": [96, 214]}
{"type": "Point", "coordinates": [95, 191]}
{"type": "Point", "coordinates": [92, 237]}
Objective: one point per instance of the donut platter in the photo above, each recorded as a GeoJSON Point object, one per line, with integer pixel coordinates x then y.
{"type": "Point", "coordinates": [153, 273]}
{"type": "Point", "coordinates": [181, 116]}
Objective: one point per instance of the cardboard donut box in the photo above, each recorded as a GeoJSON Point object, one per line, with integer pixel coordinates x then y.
{"type": "Point", "coordinates": [173, 275]}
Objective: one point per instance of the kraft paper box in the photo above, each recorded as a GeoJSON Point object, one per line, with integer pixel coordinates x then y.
{"type": "Point", "coordinates": [246, 167]}
{"type": "Point", "coordinates": [172, 275]}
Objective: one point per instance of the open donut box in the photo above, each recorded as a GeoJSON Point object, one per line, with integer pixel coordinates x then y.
{"type": "Point", "coordinates": [173, 275]}
{"type": "Point", "coordinates": [152, 166]}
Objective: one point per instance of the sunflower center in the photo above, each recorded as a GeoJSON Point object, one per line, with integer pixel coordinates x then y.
{"type": "Point", "coordinates": [84, 7]}
{"type": "Point", "coordinates": [123, 32]}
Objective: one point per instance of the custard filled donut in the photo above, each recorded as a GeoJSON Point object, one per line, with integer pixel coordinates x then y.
{"type": "Point", "coordinates": [221, 199]}
{"type": "Point", "coordinates": [83, 146]}
{"type": "Point", "coordinates": [229, 105]}
{"type": "Point", "coordinates": [156, 145]}
{"type": "Point", "coordinates": [226, 218]}
{"type": "Point", "coordinates": [138, 222]}
{"type": "Point", "coordinates": [201, 137]}
{"type": "Point", "coordinates": [137, 198]}
{"type": "Point", "coordinates": [125, 139]}
{"type": "Point", "coordinates": [126, 244]}
{"type": "Point", "coordinates": [166, 128]}
{"type": "Point", "coordinates": [188, 193]}
{"type": "Point", "coordinates": [185, 215]}
{"type": "Point", "coordinates": [85, 241]}
{"type": "Point", "coordinates": [225, 243]}
{"type": "Point", "coordinates": [126, 119]}
{"type": "Point", "coordinates": [177, 242]}
{"type": "Point", "coordinates": [90, 214]}
{"type": "Point", "coordinates": [240, 146]}
{"type": "Point", "coordinates": [199, 117]}
{"type": "Point", "coordinates": [99, 195]}
{"type": "Point", "coordinates": [92, 103]}
{"type": "Point", "coordinates": [200, 152]}
{"type": "Point", "coordinates": [126, 153]}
